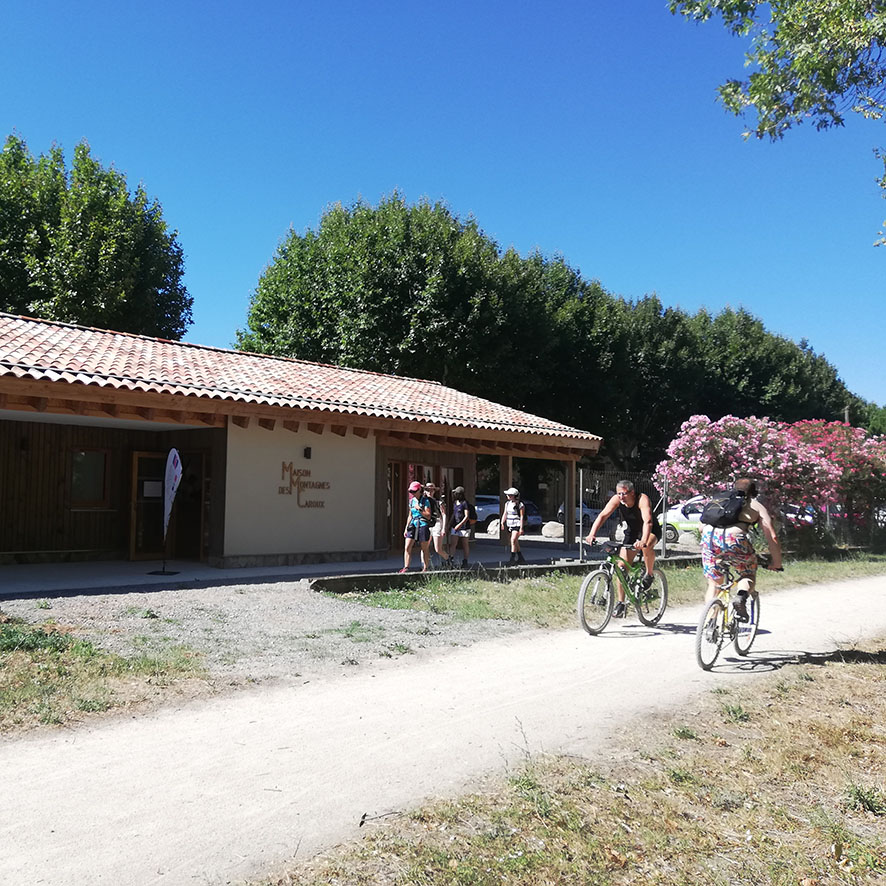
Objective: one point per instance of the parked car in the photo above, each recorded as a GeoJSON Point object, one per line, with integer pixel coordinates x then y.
{"type": "Point", "coordinates": [489, 514]}
{"type": "Point", "coordinates": [683, 517]}
{"type": "Point", "coordinates": [586, 515]}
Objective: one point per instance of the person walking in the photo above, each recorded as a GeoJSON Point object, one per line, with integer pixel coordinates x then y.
{"type": "Point", "coordinates": [418, 527]}
{"type": "Point", "coordinates": [463, 512]}
{"type": "Point", "coordinates": [439, 554]}
{"type": "Point", "coordinates": [514, 519]}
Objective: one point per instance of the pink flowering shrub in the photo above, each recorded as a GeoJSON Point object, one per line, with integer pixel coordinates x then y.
{"type": "Point", "coordinates": [807, 463]}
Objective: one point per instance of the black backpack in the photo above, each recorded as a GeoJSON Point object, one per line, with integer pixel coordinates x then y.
{"type": "Point", "coordinates": [433, 510]}
{"type": "Point", "coordinates": [472, 513]}
{"type": "Point", "coordinates": [723, 508]}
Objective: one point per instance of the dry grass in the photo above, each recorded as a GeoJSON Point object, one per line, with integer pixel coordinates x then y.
{"type": "Point", "coordinates": [790, 794]}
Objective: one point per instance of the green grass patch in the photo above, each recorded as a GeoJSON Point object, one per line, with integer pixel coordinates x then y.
{"type": "Point", "coordinates": [549, 600]}
{"type": "Point", "coordinates": [49, 676]}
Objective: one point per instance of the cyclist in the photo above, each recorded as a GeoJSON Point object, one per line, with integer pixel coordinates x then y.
{"type": "Point", "coordinates": [734, 545]}
{"type": "Point", "coordinates": [642, 533]}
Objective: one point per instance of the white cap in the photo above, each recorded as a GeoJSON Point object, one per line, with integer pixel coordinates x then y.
{"type": "Point", "coordinates": [512, 491]}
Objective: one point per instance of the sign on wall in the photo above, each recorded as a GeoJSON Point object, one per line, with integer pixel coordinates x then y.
{"type": "Point", "coordinates": [308, 491]}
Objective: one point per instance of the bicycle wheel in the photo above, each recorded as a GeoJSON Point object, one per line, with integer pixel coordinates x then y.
{"type": "Point", "coordinates": [652, 602]}
{"type": "Point", "coordinates": [747, 630]}
{"type": "Point", "coordinates": [710, 634]}
{"type": "Point", "coordinates": [595, 601]}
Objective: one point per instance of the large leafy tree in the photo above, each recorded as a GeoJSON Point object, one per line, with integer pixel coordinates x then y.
{"type": "Point", "coordinates": [748, 370]}
{"type": "Point", "coordinates": [413, 290]}
{"type": "Point", "coordinates": [77, 246]}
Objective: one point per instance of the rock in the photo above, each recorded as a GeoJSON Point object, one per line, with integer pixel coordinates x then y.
{"type": "Point", "coordinates": [552, 529]}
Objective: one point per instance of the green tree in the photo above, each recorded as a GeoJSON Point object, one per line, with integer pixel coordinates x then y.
{"type": "Point", "coordinates": [413, 290]}
{"type": "Point", "coordinates": [749, 371]}
{"type": "Point", "coordinates": [810, 61]}
{"type": "Point", "coordinates": [76, 246]}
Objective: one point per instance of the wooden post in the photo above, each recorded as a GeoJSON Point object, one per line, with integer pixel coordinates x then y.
{"type": "Point", "coordinates": [569, 508]}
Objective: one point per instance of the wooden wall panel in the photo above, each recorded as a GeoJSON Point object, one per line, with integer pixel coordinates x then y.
{"type": "Point", "coordinates": [37, 519]}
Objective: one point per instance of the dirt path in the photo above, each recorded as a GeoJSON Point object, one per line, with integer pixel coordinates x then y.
{"type": "Point", "coordinates": [225, 789]}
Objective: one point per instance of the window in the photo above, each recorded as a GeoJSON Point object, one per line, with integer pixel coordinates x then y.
{"type": "Point", "coordinates": [89, 478]}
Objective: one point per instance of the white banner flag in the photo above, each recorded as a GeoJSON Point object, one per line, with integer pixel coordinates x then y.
{"type": "Point", "coordinates": [173, 478]}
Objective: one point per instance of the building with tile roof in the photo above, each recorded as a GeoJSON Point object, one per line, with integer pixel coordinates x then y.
{"type": "Point", "coordinates": [284, 460]}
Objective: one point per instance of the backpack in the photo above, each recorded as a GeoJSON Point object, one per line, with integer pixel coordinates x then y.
{"type": "Point", "coordinates": [433, 509]}
{"type": "Point", "coordinates": [723, 508]}
{"type": "Point", "coordinates": [472, 513]}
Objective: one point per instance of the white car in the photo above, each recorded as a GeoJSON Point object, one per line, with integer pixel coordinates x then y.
{"type": "Point", "coordinates": [683, 517]}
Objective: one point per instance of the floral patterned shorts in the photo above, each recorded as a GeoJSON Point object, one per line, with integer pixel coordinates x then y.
{"type": "Point", "coordinates": [731, 544]}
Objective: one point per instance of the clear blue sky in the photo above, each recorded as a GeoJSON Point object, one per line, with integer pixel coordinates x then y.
{"type": "Point", "coordinates": [589, 129]}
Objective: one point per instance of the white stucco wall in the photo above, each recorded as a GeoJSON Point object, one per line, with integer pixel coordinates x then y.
{"type": "Point", "coordinates": [270, 510]}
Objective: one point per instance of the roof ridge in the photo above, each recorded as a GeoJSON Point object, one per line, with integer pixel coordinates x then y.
{"type": "Point", "coordinates": [214, 348]}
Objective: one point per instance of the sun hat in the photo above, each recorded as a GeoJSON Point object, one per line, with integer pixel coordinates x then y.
{"type": "Point", "coordinates": [459, 490]}
{"type": "Point", "coordinates": [414, 486]}
{"type": "Point", "coordinates": [512, 490]}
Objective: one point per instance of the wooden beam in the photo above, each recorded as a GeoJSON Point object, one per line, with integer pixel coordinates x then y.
{"type": "Point", "coordinates": [242, 421]}
{"type": "Point", "coordinates": [146, 412]}
{"type": "Point", "coordinates": [267, 423]}
{"type": "Point", "coordinates": [39, 403]}
{"type": "Point", "coordinates": [316, 427]}
{"type": "Point", "coordinates": [291, 426]}
{"type": "Point", "coordinates": [339, 430]}
{"type": "Point", "coordinates": [360, 432]}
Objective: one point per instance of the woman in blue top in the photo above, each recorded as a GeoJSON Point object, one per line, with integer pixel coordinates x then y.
{"type": "Point", "coordinates": [418, 527]}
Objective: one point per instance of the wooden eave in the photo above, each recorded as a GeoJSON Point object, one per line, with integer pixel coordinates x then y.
{"type": "Point", "coordinates": [75, 399]}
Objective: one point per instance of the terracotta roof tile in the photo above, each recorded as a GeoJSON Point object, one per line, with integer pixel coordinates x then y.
{"type": "Point", "coordinates": [58, 352]}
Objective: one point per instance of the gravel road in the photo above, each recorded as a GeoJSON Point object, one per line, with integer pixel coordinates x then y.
{"type": "Point", "coordinates": [255, 632]}
{"type": "Point", "coordinates": [227, 788]}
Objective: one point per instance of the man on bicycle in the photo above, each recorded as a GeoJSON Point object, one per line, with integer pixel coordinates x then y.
{"type": "Point", "coordinates": [733, 545]}
{"type": "Point", "coordinates": [642, 533]}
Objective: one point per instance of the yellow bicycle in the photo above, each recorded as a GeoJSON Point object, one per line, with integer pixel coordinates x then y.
{"type": "Point", "coordinates": [719, 623]}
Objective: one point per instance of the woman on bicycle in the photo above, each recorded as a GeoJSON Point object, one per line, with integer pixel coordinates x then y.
{"type": "Point", "coordinates": [732, 544]}
{"type": "Point", "coordinates": [643, 531]}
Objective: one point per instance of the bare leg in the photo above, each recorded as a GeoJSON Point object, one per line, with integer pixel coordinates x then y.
{"type": "Point", "coordinates": [407, 552]}
{"type": "Point", "coordinates": [425, 555]}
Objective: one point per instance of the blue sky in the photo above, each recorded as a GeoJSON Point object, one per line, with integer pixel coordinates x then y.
{"type": "Point", "coordinates": [585, 129]}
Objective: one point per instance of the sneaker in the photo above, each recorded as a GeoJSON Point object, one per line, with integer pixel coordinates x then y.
{"type": "Point", "coordinates": [465, 564]}
{"type": "Point", "coordinates": [739, 605]}
{"type": "Point", "coordinates": [401, 571]}
{"type": "Point", "coordinates": [620, 609]}
{"type": "Point", "coordinates": [520, 559]}
{"type": "Point", "coordinates": [647, 580]}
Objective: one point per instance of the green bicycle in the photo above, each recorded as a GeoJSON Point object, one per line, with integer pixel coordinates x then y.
{"type": "Point", "coordinates": [597, 594]}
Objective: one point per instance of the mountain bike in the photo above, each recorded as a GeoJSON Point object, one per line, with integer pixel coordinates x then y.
{"type": "Point", "coordinates": [719, 623]}
{"type": "Point", "coordinates": [597, 594]}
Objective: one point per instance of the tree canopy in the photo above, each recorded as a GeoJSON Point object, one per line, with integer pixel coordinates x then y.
{"type": "Point", "coordinates": [413, 290]}
{"type": "Point", "coordinates": [77, 247]}
{"type": "Point", "coordinates": [810, 61]}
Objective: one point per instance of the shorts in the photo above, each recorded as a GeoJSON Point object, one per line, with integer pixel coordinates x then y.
{"type": "Point", "coordinates": [423, 534]}
{"type": "Point", "coordinates": [730, 544]}
{"type": "Point", "coordinates": [630, 537]}
{"type": "Point", "coordinates": [437, 530]}
{"type": "Point", "coordinates": [462, 533]}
